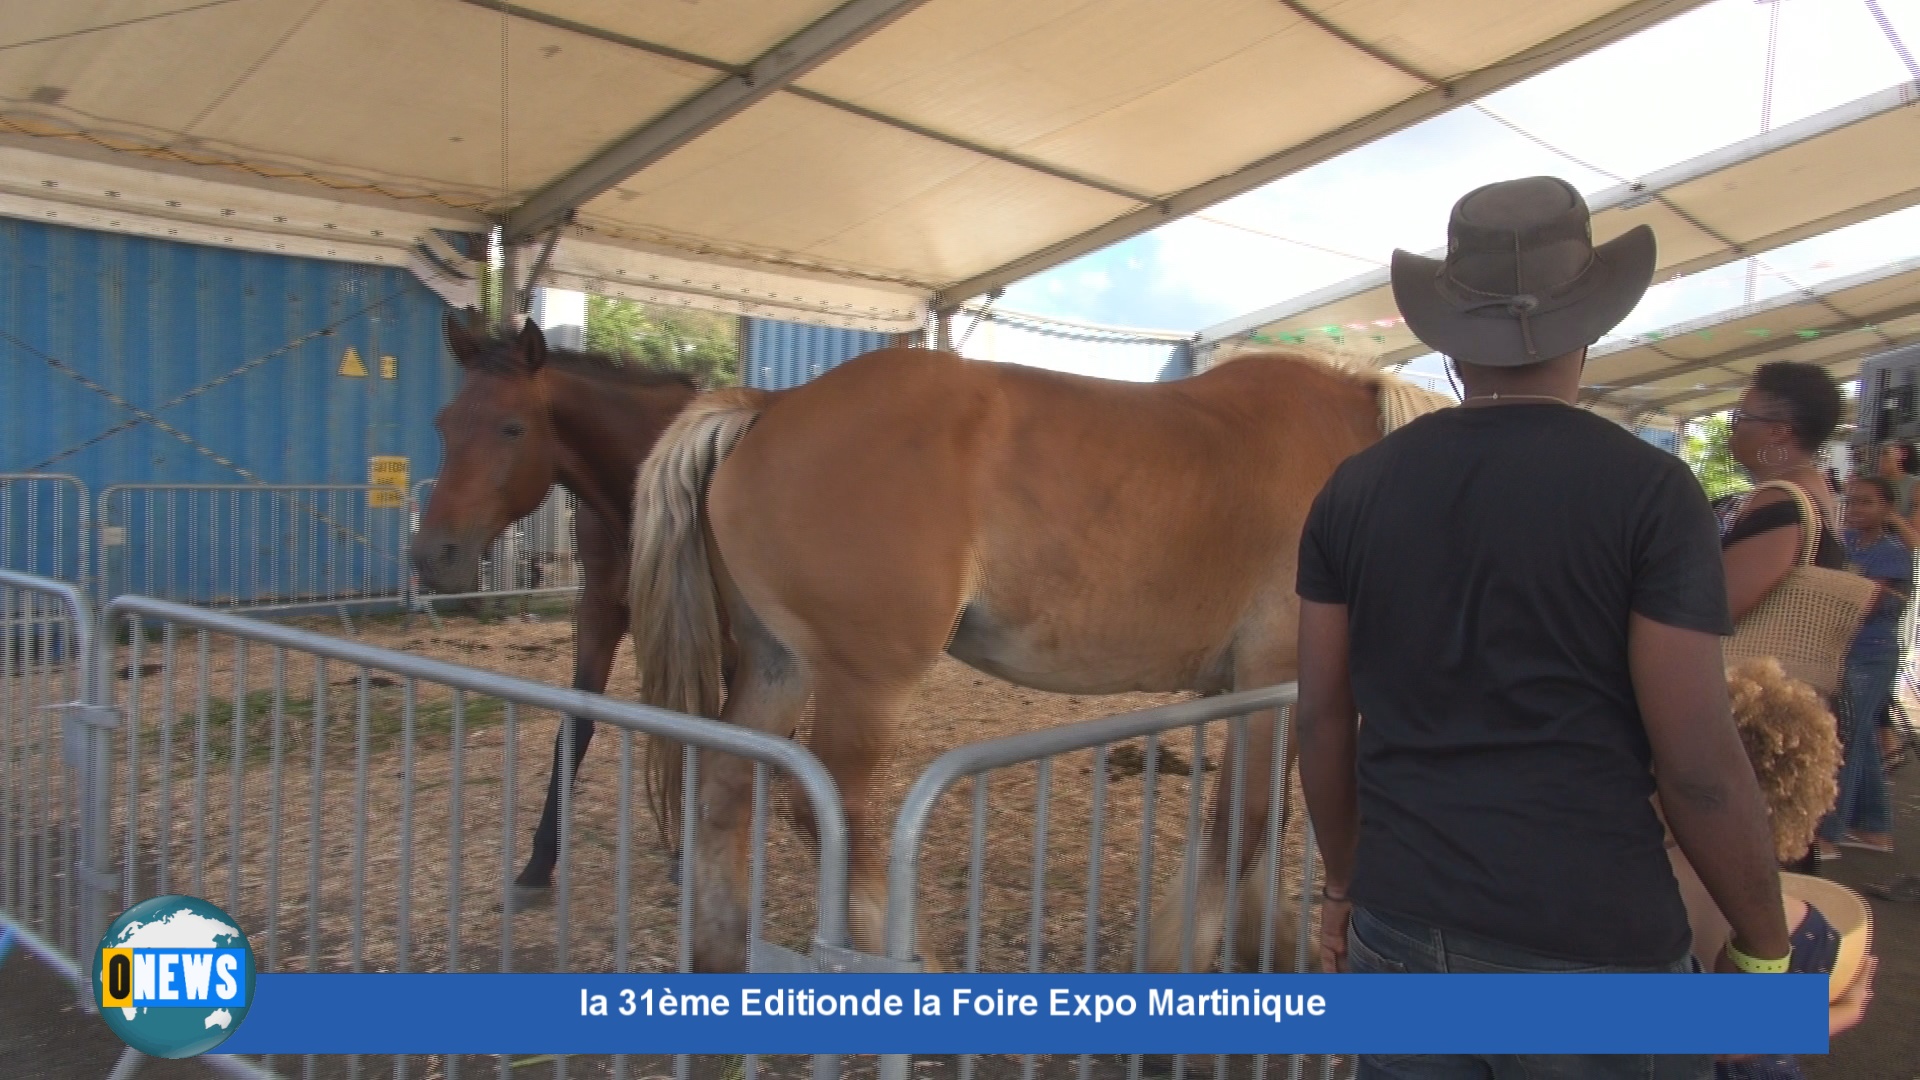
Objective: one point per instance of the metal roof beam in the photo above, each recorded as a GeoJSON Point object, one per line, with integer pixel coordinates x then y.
{"type": "Point", "coordinates": [1827, 362]}
{"type": "Point", "coordinates": [610, 36]}
{"type": "Point", "coordinates": [848, 107]}
{"type": "Point", "coordinates": [1758, 348]}
{"type": "Point", "coordinates": [1655, 186]}
{"type": "Point", "coordinates": [1628, 20]}
{"type": "Point", "coordinates": [847, 26]}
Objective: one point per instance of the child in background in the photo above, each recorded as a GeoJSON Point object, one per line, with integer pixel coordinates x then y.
{"type": "Point", "coordinates": [1862, 817]}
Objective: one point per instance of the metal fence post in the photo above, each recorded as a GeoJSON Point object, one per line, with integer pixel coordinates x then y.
{"type": "Point", "coordinates": [87, 724]}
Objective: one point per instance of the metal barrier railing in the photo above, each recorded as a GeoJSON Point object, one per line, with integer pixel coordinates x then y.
{"type": "Point", "coordinates": [1108, 748]}
{"type": "Point", "coordinates": [328, 793]}
{"type": "Point", "coordinates": [536, 556]}
{"type": "Point", "coordinates": [282, 548]}
{"type": "Point", "coordinates": [256, 547]}
{"type": "Point", "coordinates": [46, 646]}
{"type": "Point", "coordinates": [57, 877]}
{"type": "Point", "coordinates": [46, 527]}
{"type": "Point", "coordinates": [333, 794]}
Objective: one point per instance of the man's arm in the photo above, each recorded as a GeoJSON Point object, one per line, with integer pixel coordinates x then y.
{"type": "Point", "coordinates": [1707, 788]}
{"type": "Point", "coordinates": [1325, 720]}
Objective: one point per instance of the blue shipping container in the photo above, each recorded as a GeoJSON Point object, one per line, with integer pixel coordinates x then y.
{"type": "Point", "coordinates": [777, 355]}
{"type": "Point", "coordinates": [243, 356]}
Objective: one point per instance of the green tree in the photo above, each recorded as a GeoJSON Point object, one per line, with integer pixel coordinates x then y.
{"type": "Point", "coordinates": [1707, 450]}
{"type": "Point", "coordinates": [701, 343]}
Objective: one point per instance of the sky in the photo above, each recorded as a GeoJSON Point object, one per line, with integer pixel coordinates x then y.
{"type": "Point", "coordinates": [1682, 88]}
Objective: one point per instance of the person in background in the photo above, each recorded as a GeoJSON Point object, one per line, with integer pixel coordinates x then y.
{"type": "Point", "coordinates": [1901, 467]}
{"type": "Point", "coordinates": [1525, 602]}
{"type": "Point", "coordinates": [1898, 467]}
{"type": "Point", "coordinates": [1786, 412]}
{"type": "Point", "coordinates": [1861, 817]}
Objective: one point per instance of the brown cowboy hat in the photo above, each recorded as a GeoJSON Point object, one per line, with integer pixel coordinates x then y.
{"type": "Point", "coordinates": [1522, 281]}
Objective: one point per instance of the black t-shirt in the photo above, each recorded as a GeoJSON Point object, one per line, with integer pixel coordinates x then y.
{"type": "Point", "coordinates": [1489, 559]}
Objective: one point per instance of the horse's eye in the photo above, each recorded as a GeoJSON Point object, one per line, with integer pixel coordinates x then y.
{"type": "Point", "coordinates": [514, 429]}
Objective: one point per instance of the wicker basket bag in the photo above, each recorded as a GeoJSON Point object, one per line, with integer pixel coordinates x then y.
{"type": "Point", "coordinates": [1808, 620]}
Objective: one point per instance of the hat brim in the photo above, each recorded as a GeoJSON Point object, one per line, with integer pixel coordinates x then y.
{"type": "Point", "coordinates": [1621, 271]}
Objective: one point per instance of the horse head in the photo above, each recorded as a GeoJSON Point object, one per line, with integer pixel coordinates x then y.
{"type": "Point", "coordinates": [499, 454]}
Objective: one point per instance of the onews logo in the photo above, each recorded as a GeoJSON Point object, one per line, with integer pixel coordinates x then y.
{"type": "Point", "coordinates": [173, 977]}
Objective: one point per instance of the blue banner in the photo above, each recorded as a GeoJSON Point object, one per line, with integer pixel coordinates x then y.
{"type": "Point", "coordinates": [1043, 1014]}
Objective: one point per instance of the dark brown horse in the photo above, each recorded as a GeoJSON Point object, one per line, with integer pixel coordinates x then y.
{"type": "Point", "coordinates": [526, 418]}
{"type": "Point", "coordinates": [824, 545]}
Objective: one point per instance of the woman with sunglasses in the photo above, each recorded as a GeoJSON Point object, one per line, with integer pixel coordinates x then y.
{"type": "Point", "coordinates": [1786, 412]}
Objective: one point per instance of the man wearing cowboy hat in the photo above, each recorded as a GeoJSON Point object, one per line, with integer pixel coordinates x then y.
{"type": "Point", "coordinates": [1526, 603]}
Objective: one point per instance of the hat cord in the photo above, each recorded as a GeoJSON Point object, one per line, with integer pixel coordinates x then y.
{"type": "Point", "coordinates": [1520, 305]}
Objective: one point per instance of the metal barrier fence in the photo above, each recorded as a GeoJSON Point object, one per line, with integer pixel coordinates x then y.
{"type": "Point", "coordinates": [256, 547]}
{"type": "Point", "coordinates": [1097, 927]}
{"type": "Point", "coordinates": [56, 872]}
{"type": "Point", "coordinates": [280, 548]}
{"type": "Point", "coordinates": [46, 526]}
{"type": "Point", "coordinates": [363, 809]}
{"type": "Point", "coordinates": [360, 809]}
{"type": "Point", "coordinates": [535, 556]}
{"type": "Point", "coordinates": [46, 846]}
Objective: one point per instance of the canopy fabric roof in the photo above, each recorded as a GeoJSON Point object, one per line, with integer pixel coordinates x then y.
{"type": "Point", "coordinates": [1848, 164]}
{"type": "Point", "coordinates": [840, 162]}
{"type": "Point", "coordinates": [1701, 366]}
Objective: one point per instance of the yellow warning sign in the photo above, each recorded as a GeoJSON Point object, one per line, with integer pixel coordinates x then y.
{"type": "Point", "coordinates": [350, 365]}
{"type": "Point", "coordinates": [388, 475]}
{"type": "Point", "coordinates": [389, 368]}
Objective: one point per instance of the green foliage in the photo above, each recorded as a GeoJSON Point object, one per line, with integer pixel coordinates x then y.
{"type": "Point", "coordinates": [702, 344]}
{"type": "Point", "coordinates": [1707, 450]}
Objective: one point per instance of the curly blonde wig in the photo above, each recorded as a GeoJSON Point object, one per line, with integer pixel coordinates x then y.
{"type": "Point", "coordinates": [1793, 742]}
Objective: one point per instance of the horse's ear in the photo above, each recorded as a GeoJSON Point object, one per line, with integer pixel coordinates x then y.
{"type": "Point", "coordinates": [461, 340]}
{"type": "Point", "coordinates": [533, 347]}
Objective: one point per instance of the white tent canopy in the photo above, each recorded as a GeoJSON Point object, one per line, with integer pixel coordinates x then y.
{"type": "Point", "coordinates": [1701, 366]}
{"type": "Point", "coordinates": [849, 164]}
{"type": "Point", "coordinates": [1846, 165]}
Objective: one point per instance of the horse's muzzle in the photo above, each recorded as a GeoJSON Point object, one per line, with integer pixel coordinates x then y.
{"type": "Point", "coordinates": [446, 563]}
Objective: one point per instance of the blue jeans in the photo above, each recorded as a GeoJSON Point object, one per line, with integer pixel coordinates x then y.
{"type": "Point", "coordinates": [1862, 805]}
{"type": "Point", "coordinates": [1389, 944]}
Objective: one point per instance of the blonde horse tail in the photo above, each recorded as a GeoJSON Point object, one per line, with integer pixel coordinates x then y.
{"type": "Point", "coordinates": [675, 613]}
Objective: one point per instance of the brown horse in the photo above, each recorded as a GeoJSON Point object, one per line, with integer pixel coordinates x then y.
{"type": "Point", "coordinates": [824, 545]}
{"type": "Point", "coordinates": [527, 418]}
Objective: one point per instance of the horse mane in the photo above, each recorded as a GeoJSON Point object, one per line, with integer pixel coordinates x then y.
{"type": "Point", "coordinates": [604, 367]}
{"type": "Point", "coordinates": [1400, 400]}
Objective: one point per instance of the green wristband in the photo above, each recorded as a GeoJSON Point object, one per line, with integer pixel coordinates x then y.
{"type": "Point", "coordinates": [1754, 966]}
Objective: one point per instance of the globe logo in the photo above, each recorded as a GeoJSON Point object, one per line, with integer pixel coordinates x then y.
{"type": "Point", "coordinates": [173, 977]}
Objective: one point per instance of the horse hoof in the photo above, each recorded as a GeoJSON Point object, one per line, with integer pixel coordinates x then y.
{"type": "Point", "coordinates": [527, 897]}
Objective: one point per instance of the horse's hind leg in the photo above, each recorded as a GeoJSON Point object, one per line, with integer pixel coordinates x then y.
{"type": "Point", "coordinates": [855, 718]}
{"type": "Point", "coordinates": [1190, 927]}
{"type": "Point", "coordinates": [768, 693]}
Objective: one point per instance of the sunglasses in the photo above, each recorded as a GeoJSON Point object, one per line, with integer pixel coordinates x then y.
{"type": "Point", "coordinates": [1737, 417]}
